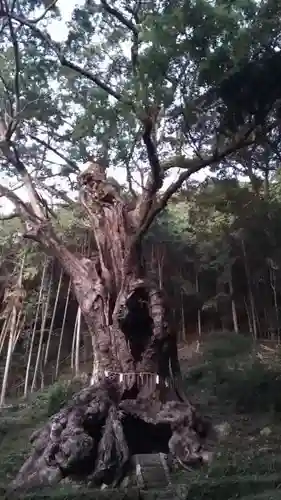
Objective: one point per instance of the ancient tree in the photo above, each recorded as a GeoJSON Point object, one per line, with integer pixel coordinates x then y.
{"type": "Point", "coordinates": [136, 389]}
{"type": "Point", "coordinates": [136, 385]}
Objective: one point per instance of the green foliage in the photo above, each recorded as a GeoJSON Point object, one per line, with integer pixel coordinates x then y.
{"type": "Point", "coordinates": [221, 347]}
{"type": "Point", "coordinates": [252, 389]}
{"type": "Point", "coordinates": [183, 47]}
{"type": "Point", "coordinates": [58, 396]}
{"type": "Point", "coordinates": [233, 374]}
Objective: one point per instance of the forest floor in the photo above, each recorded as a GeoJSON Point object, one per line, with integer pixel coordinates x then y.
{"type": "Point", "coordinates": [235, 385]}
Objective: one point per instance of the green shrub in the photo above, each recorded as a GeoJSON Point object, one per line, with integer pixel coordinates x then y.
{"type": "Point", "coordinates": [226, 346]}
{"type": "Point", "coordinates": [233, 374]}
{"type": "Point", "coordinates": [58, 395]}
{"type": "Point", "coordinates": [252, 388]}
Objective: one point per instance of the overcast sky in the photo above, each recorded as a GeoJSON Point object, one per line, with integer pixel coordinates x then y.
{"type": "Point", "coordinates": [58, 29]}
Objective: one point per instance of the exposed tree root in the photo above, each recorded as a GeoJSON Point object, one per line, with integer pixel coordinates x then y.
{"type": "Point", "coordinates": [95, 436]}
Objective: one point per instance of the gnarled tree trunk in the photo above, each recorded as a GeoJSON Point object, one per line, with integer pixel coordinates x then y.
{"type": "Point", "coordinates": [137, 387]}
{"type": "Point", "coordinates": [124, 311]}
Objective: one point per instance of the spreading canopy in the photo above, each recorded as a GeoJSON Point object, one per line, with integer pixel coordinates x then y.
{"type": "Point", "coordinates": [147, 88]}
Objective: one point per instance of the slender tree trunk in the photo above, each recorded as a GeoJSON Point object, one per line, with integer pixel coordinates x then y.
{"type": "Point", "coordinates": [250, 292]}
{"type": "Point", "coordinates": [233, 304]}
{"type": "Point", "coordinates": [45, 310]}
{"type": "Point", "coordinates": [62, 329]}
{"type": "Point", "coordinates": [250, 326]}
{"type": "Point", "coordinates": [78, 338]}
{"type": "Point", "coordinates": [12, 327]}
{"type": "Point", "coordinates": [53, 318]}
{"type": "Point", "coordinates": [183, 329]}
{"type": "Point", "coordinates": [72, 356]}
{"type": "Point", "coordinates": [272, 275]}
{"type": "Point", "coordinates": [34, 327]}
{"type": "Point", "coordinates": [4, 330]}
{"type": "Point", "coordinates": [14, 306]}
{"type": "Point", "coordinates": [199, 321]}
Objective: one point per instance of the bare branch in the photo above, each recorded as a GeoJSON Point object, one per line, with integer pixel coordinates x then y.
{"type": "Point", "coordinates": [128, 170]}
{"type": "Point", "coordinates": [58, 194]}
{"type": "Point", "coordinates": [131, 26]}
{"type": "Point", "coordinates": [71, 163]}
{"type": "Point", "coordinates": [75, 67]}
{"type": "Point", "coordinates": [50, 7]}
{"type": "Point", "coordinates": [118, 15]}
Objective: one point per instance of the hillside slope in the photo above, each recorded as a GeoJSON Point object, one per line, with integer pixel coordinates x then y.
{"type": "Point", "coordinates": [229, 382]}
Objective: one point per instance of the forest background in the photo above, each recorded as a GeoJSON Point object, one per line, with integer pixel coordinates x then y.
{"type": "Point", "coordinates": [215, 248]}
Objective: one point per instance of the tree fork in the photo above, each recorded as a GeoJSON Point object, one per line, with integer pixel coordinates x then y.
{"type": "Point", "coordinates": [137, 389]}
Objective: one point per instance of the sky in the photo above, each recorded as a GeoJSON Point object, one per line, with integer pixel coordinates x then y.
{"type": "Point", "coordinates": [58, 31]}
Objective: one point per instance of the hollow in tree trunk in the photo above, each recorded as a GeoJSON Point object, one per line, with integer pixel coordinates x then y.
{"type": "Point", "coordinates": [136, 403]}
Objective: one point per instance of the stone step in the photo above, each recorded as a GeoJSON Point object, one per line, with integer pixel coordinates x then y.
{"type": "Point", "coordinates": [152, 470]}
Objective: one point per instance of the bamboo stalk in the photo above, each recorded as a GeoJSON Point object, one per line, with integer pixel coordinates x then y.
{"type": "Point", "coordinates": [53, 319]}
{"type": "Point", "coordinates": [62, 329]}
{"type": "Point", "coordinates": [4, 331]}
{"type": "Point", "coordinates": [42, 330]}
{"type": "Point", "coordinates": [9, 355]}
{"type": "Point", "coordinates": [78, 337]}
{"type": "Point", "coordinates": [19, 328]}
{"type": "Point", "coordinates": [46, 262]}
{"type": "Point", "coordinates": [199, 318]}
{"type": "Point", "coordinates": [72, 362]}
{"type": "Point", "coordinates": [14, 323]}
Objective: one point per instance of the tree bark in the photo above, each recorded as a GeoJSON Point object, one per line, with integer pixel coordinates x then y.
{"type": "Point", "coordinates": [137, 386]}
{"type": "Point", "coordinates": [98, 432]}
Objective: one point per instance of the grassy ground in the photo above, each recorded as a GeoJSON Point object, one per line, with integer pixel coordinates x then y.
{"type": "Point", "coordinates": [231, 384]}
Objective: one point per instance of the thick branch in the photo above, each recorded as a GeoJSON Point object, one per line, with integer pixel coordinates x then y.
{"type": "Point", "coordinates": [21, 208]}
{"type": "Point", "coordinates": [155, 167]}
{"type": "Point", "coordinates": [156, 175]}
{"type": "Point", "coordinates": [194, 165]}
